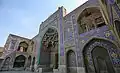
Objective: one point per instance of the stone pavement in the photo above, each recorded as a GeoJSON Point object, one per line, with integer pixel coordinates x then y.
{"type": "Point", "coordinates": [20, 72]}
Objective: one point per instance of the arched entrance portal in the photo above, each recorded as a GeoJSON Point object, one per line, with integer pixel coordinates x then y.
{"type": "Point", "coordinates": [19, 61]}
{"type": "Point", "coordinates": [100, 56]}
{"type": "Point", "coordinates": [71, 62]}
{"type": "Point", "coordinates": [102, 61]}
{"type": "Point", "coordinates": [49, 49]}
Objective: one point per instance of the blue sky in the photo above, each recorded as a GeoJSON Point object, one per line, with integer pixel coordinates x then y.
{"type": "Point", "coordinates": [23, 17]}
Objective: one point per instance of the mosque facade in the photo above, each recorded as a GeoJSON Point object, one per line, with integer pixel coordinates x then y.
{"type": "Point", "coordinates": [81, 41]}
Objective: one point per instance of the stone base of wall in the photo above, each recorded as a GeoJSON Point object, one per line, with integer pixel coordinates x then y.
{"type": "Point", "coordinates": [80, 70]}
{"type": "Point", "coordinates": [56, 71]}
{"type": "Point", "coordinates": [62, 69]}
{"type": "Point", "coordinates": [117, 70]}
{"type": "Point", "coordinates": [27, 69]}
{"type": "Point", "coordinates": [39, 70]}
{"type": "Point", "coordinates": [18, 69]}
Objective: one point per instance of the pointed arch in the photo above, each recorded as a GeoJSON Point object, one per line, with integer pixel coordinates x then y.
{"type": "Point", "coordinates": [71, 62]}
{"type": "Point", "coordinates": [23, 46]}
{"type": "Point", "coordinates": [93, 58]}
{"type": "Point", "coordinates": [90, 18]}
{"type": "Point", "coordinates": [49, 48]}
{"type": "Point", "coordinates": [19, 61]}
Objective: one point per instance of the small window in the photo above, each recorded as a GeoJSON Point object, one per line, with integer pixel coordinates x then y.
{"type": "Point", "coordinates": [104, 2]}
{"type": "Point", "coordinates": [117, 26]}
{"type": "Point", "coordinates": [88, 14]}
{"type": "Point", "coordinates": [99, 22]}
{"type": "Point", "coordinates": [118, 2]}
{"type": "Point", "coordinates": [100, 25]}
{"type": "Point", "coordinates": [84, 27]}
{"type": "Point", "coordinates": [117, 8]}
{"type": "Point", "coordinates": [73, 19]}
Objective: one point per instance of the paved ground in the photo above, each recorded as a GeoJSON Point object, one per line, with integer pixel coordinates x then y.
{"type": "Point", "coordinates": [20, 72]}
{"type": "Point", "coordinates": [16, 72]}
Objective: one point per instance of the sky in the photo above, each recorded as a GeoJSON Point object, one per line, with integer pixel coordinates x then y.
{"type": "Point", "coordinates": [23, 17]}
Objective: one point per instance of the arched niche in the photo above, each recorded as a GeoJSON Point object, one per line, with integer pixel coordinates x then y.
{"type": "Point", "coordinates": [6, 64]}
{"type": "Point", "coordinates": [71, 62]}
{"type": "Point", "coordinates": [90, 18]}
{"type": "Point", "coordinates": [29, 61]}
{"type": "Point", "coordinates": [33, 63]}
{"type": "Point", "coordinates": [99, 56]}
{"type": "Point", "coordinates": [19, 61]}
{"type": "Point", "coordinates": [49, 49]}
{"type": "Point", "coordinates": [23, 46]}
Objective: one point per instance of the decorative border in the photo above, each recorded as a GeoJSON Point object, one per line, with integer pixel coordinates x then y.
{"type": "Point", "coordinates": [61, 32]}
